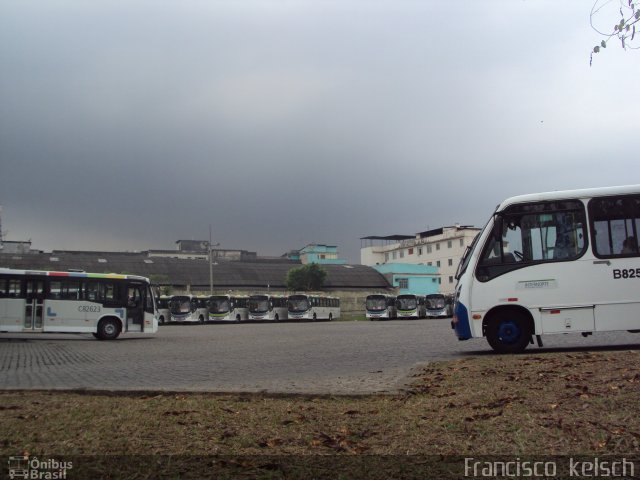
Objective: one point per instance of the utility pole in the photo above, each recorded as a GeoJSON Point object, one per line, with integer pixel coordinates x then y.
{"type": "Point", "coordinates": [210, 265]}
{"type": "Point", "coordinates": [211, 262]}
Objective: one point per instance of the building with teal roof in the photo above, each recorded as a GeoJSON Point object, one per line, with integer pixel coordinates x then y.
{"type": "Point", "coordinates": [410, 278]}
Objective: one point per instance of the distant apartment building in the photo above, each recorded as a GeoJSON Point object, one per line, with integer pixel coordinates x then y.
{"type": "Point", "coordinates": [316, 253]}
{"type": "Point", "coordinates": [441, 248]}
{"type": "Point", "coordinates": [197, 250]}
{"type": "Point", "coordinates": [17, 247]}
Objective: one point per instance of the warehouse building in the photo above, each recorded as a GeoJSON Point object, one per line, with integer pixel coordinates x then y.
{"type": "Point", "coordinates": [173, 275]}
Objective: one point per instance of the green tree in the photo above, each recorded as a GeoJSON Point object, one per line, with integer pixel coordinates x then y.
{"type": "Point", "coordinates": [306, 278]}
{"type": "Point", "coordinates": [157, 279]}
{"type": "Point", "coordinates": [624, 29]}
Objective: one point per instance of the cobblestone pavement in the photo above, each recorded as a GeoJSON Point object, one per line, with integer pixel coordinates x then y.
{"type": "Point", "coordinates": [323, 357]}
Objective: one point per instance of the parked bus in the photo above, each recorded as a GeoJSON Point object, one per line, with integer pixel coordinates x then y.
{"type": "Point", "coordinates": [313, 307]}
{"type": "Point", "coordinates": [228, 308]}
{"type": "Point", "coordinates": [436, 306]}
{"type": "Point", "coordinates": [448, 301]}
{"type": "Point", "coordinates": [188, 308]}
{"type": "Point", "coordinates": [164, 314]}
{"type": "Point", "coordinates": [550, 263]}
{"type": "Point", "coordinates": [76, 302]}
{"type": "Point", "coordinates": [410, 306]}
{"type": "Point", "coordinates": [267, 307]}
{"type": "Point", "coordinates": [380, 307]}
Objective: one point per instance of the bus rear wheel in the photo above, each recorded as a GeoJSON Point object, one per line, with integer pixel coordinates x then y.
{"type": "Point", "coordinates": [108, 329]}
{"type": "Point", "coordinates": [509, 332]}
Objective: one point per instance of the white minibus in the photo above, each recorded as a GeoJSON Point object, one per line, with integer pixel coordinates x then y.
{"type": "Point", "coordinates": [267, 307]}
{"type": "Point", "coordinates": [164, 314]}
{"type": "Point", "coordinates": [228, 308]}
{"type": "Point", "coordinates": [548, 263]}
{"type": "Point", "coordinates": [409, 305]}
{"type": "Point", "coordinates": [301, 306]}
{"type": "Point", "coordinates": [76, 302]}
{"type": "Point", "coordinates": [188, 308]}
{"type": "Point", "coordinates": [380, 307]}
{"type": "Point", "coordinates": [436, 305]}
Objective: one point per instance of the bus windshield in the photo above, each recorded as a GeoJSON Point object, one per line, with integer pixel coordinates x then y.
{"type": "Point", "coordinates": [376, 303]}
{"type": "Point", "coordinates": [298, 303]}
{"type": "Point", "coordinates": [180, 305]}
{"type": "Point", "coordinates": [259, 304]}
{"type": "Point", "coordinates": [435, 301]}
{"type": "Point", "coordinates": [219, 305]}
{"type": "Point", "coordinates": [407, 302]}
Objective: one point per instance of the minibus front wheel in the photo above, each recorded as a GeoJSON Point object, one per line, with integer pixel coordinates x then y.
{"type": "Point", "coordinates": [508, 331]}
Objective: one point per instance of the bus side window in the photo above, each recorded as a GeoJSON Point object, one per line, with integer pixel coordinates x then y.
{"type": "Point", "coordinates": [70, 290]}
{"type": "Point", "coordinates": [9, 288]}
{"type": "Point", "coordinates": [148, 305]}
{"type": "Point", "coordinates": [615, 225]}
{"type": "Point", "coordinates": [107, 291]}
{"type": "Point", "coordinates": [90, 291]}
{"type": "Point", "coordinates": [133, 297]}
{"type": "Point", "coordinates": [55, 290]}
{"type": "Point", "coordinates": [14, 288]}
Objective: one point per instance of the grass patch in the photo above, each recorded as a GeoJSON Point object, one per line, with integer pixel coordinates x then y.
{"type": "Point", "coordinates": [531, 404]}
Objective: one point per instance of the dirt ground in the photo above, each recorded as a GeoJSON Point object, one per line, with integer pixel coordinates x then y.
{"type": "Point", "coordinates": [531, 405]}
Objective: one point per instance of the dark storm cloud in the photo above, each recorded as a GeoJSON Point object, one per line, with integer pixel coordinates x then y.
{"type": "Point", "coordinates": [131, 125]}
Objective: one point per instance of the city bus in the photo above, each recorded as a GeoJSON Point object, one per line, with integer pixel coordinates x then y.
{"type": "Point", "coordinates": [188, 308]}
{"type": "Point", "coordinates": [267, 307]}
{"type": "Point", "coordinates": [436, 306]}
{"type": "Point", "coordinates": [313, 307]}
{"type": "Point", "coordinates": [76, 302]}
{"type": "Point", "coordinates": [164, 314]}
{"type": "Point", "coordinates": [548, 263]}
{"type": "Point", "coordinates": [380, 307]}
{"type": "Point", "coordinates": [409, 305]}
{"type": "Point", "coordinates": [228, 308]}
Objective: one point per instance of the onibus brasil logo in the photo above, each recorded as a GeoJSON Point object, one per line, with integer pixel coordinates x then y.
{"type": "Point", "coordinates": [28, 467]}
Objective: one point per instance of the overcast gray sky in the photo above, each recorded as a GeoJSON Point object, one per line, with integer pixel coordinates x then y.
{"type": "Point", "coordinates": [127, 125]}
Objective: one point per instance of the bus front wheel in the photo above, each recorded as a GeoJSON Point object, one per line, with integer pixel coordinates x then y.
{"type": "Point", "coordinates": [108, 329]}
{"type": "Point", "coordinates": [509, 332]}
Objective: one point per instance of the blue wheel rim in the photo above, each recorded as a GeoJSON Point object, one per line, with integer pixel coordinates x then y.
{"type": "Point", "coordinates": [509, 332]}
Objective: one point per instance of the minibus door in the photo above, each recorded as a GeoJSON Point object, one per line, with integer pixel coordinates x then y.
{"type": "Point", "coordinates": [34, 304]}
{"type": "Point", "coordinates": [135, 308]}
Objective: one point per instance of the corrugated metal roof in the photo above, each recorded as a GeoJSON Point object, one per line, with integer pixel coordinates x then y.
{"type": "Point", "coordinates": [175, 271]}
